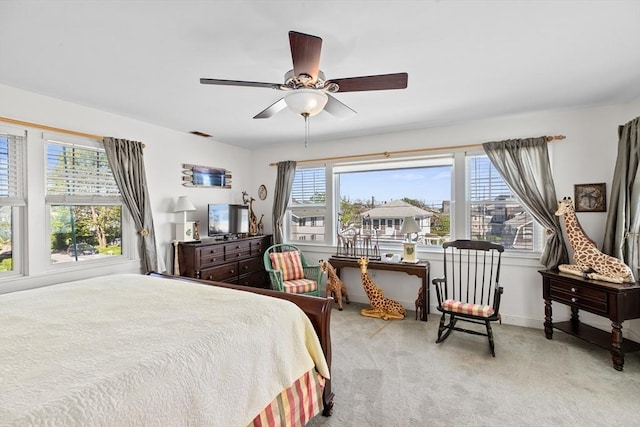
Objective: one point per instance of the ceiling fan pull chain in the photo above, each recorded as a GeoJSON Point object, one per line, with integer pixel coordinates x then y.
{"type": "Point", "coordinates": [306, 129]}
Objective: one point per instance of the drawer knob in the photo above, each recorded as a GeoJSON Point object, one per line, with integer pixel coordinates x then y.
{"type": "Point", "coordinates": [573, 289]}
{"type": "Point", "coordinates": [232, 271]}
{"type": "Point", "coordinates": [574, 299]}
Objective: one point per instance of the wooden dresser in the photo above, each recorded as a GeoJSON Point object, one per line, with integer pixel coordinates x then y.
{"type": "Point", "coordinates": [237, 261]}
{"type": "Point", "coordinates": [617, 302]}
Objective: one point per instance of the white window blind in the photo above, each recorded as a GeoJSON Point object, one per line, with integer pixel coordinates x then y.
{"type": "Point", "coordinates": [12, 160]}
{"type": "Point", "coordinates": [309, 187]}
{"type": "Point", "coordinates": [79, 174]}
{"type": "Point", "coordinates": [485, 183]}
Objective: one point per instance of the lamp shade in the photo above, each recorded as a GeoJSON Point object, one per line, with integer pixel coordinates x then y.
{"type": "Point", "coordinates": [306, 101]}
{"type": "Point", "coordinates": [409, 225]}
{"type": "Point", "coordinates": [184, 204]}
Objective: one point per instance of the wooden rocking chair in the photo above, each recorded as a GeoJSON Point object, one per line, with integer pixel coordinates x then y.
{"type": "Point", "coordinates": [470, 289]}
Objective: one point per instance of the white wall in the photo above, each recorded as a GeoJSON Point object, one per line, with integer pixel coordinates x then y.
{"type": "Point", "coordinates": [166, 150]}
{"type": "Point", "coordinates": [587, 155]}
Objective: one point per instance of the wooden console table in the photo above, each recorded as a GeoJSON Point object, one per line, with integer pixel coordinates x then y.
{"type": "Point", "coordinates": [618, 302]}
{"type": "Point", "coordinates": [419, 269]}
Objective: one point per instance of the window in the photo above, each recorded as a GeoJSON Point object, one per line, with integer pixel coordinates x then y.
{"type": "Point", "coordinates": [366, 204]}
{"type": "Point", "coordinates": [307, 206]}
{"type": "Point", "coordinates": [495, 214]}
{"type": "Point", "coordinates": [12, 198]}
{"type": "Point", "coordinates": [376, 197]}
{"type": "Point", "coordinates": [373, 200]}
{"type": "Point", "coordinates": [84, 203]}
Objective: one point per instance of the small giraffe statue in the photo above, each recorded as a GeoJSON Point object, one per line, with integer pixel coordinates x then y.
{"type": "Point", "coordinates": [589, 262]}
{"type": "Point", "coordinates": [261, 225]}
{"type": "Point", "coordinates": [335, 286]}
{"type": "Point", "coordinates": [381, 306]}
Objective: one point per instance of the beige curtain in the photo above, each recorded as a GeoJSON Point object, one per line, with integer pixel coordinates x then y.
{"type": "Point", "coordinates": [127, 163]}
{"type": "Point", "coordinates": [284, 183]}
{"type": "Point", "coordinates": [524, 166]}
{"type": "Point", "coordinates": [622, 232]}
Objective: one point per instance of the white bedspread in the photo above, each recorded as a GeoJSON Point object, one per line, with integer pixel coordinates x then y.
{"type": "Point", "coordinates": [138, 350]}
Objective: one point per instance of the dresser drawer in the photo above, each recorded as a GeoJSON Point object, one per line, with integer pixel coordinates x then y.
{"type": "Point", "coordinates": [237, 250]}
{"type": "Point", "coordinates": [251, 265]}
{"type": "Point", "coordinates": [589, 299]}
{"type": "Point", "coordinates": [222, 273]}
{"type": "Point", "coordinates": [258, 247]}
{"type": "Point", "coordinates": [210, 255]}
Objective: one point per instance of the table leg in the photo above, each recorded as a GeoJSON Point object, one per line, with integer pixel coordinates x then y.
{"type": "Point", "coordinates": [617, 354]}
{"type": "Point", "coordinates": [548, 324]}
{"type": "Point", "coordinates": [575, 317]}
{"type": "Point", "coordinates": [425, 300]}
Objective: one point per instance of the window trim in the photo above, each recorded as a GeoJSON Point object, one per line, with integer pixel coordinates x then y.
{"type": "Point", "coordinates": [460, 206]}
{"type": "Point", "coordinates": [16, 201]}
{"type": "Point", "coordinates": [84, 200]}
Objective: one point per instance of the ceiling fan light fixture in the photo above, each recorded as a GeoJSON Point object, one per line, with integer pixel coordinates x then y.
{"type": "Point", "coordinates": [306, 102]}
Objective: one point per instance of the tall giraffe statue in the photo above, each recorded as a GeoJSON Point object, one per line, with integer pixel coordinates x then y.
{"type": "Point", "coordinates": [253, 220]}
{"type": "Point", "coordinates": [589, 262]}
{"type": "Point", "coordinates": [335, 286]}
{"type": "Point", "coordinates": [381, 306]}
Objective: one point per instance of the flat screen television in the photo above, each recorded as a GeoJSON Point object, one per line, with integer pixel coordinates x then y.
{"type": "Point", "coordinates": [228, 220]}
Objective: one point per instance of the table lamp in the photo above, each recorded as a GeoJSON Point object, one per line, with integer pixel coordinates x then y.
{"type": "Point", "coordinates": [184, 229]}
{"type": "Point", "coordinates": [409, 225]}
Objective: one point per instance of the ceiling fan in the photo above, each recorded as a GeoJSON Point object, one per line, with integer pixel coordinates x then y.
{"type": "Point", "coordinates": [308, 92]}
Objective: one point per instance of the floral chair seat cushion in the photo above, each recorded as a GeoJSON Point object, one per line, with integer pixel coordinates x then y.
{"type": "Point", "coordinates": [467, 308]}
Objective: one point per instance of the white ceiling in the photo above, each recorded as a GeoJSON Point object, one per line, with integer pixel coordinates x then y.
{"type": "Point", "coordinates": [466, 59]}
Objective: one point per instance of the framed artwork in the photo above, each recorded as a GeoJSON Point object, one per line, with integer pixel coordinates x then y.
{"type": "Point", "coordinates": [409, 253]}
{"type": "Point", "coordinates": [205, 176]}
{"type": "Point", "coordinates": [590, 197]}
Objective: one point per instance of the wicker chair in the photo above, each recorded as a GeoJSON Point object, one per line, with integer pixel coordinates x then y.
{"type": "Point", "coordinates": [470, 289]}
{"type": "Point", "coordinates": [289, 272]}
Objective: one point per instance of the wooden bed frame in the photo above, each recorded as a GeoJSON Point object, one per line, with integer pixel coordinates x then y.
{"type": "Point", "coordinates": [317, 309]}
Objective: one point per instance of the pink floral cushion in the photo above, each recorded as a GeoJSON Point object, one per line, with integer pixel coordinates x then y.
{"type": "Point", "coordinates": [466, 308]}
{"type": "Point", "coordinates": [289, 263]}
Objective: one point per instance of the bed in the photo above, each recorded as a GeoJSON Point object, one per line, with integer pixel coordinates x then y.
{"type": "Point", "coordinates": [162, 350]}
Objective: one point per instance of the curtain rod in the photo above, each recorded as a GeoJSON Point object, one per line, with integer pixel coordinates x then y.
{"type": "Point", "coordinates": [415, 151]}
{"type": "Point", "coordinates": [51, 128]}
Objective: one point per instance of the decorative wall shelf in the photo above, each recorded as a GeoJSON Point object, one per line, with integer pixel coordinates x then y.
{"type": "Point", "coordinates": [205, 176]}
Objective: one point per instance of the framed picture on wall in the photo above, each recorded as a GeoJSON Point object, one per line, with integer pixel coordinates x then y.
{"type": "Point", "coordinates": [590, 197]}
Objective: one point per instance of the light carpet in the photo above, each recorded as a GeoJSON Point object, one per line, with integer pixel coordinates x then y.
{"type": "Point", "coordinates": [392, 373]}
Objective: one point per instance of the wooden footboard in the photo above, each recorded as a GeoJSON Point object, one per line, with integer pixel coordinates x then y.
{"type": "Point", "coordinates": [317, 309]}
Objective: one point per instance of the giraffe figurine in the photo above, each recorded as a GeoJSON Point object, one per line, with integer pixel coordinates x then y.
{"type": "Point", "coordinates": [589, 262]}
{"type": "Point", "coordinates": [335, 287]}
{"type": "Point", "coordinates": [381, 306]}
{"type": "Point", "coordinates": [253, 220]}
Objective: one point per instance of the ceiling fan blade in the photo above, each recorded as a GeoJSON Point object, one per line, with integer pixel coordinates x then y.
{"type": "Point", "coordinates": [305, 52]}
{"type": "Point", "coordinates": [379, 82]}
{"type": "Point", "coordinates": [239, 83]}
{"type": "Point", "coordinates": [337, 108]}
{"type": "Point", "coordinates": [272, 109]}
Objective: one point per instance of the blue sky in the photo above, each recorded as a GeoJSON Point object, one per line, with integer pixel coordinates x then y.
{"type": "Point", "coordinates": [429, 184]}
